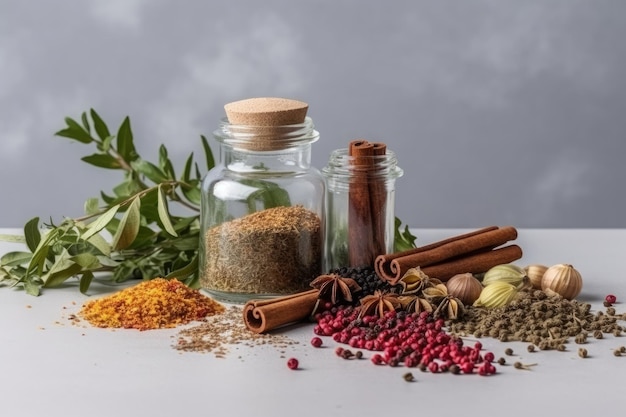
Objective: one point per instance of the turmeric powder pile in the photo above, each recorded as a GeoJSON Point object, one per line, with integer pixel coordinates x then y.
{"type": "Point", "coordinates": [155, 304]}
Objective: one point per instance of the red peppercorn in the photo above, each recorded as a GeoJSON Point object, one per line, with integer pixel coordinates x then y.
{"type": "Point", "coordinates": [377, 359]}
{"type": "Point", "coordinates": [489, 357]}
{"type": "Point", "coordinates": [316, 342]}
{"type": "Point", "coordinates": [610, 299]}
{"type": "Point", "coordinates": [292, 363]}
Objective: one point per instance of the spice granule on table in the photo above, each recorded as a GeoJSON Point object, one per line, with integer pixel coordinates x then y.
{"type": "Point", "coordinates": [221, 333]}
{"type": "Point", "coordinates": [154, 304]}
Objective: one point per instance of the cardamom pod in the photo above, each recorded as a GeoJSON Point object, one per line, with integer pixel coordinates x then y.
{"type": "Point", "coordinates": [509, 273]}
{"type": "Point", "coordinates": [496, 294]}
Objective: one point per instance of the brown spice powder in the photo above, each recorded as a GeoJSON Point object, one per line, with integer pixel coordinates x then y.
{"type": "Point", "coordinates": [272, 251]}
{"type": "Point", "coordinates": [218, 335]}
{"type": "Point", "coordinates": [155, 304]}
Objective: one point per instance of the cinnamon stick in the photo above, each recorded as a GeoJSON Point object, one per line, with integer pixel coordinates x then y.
{"type": "Point", "coordinates": [390, 270]}
{"type": "Point", "coordinates": [392, 267]}
{"type": "Point", "coordinates": [476, 263]}
{"type": "Point", "coordinates": [359, 210]}
{"type": "Point", "coordinates": [261, 316]}
{"type": "Point", "coordinates": [378, 204]}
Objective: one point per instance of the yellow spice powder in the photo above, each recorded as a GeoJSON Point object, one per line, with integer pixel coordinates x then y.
{"type": "Point", "coordinates": [155, 304]}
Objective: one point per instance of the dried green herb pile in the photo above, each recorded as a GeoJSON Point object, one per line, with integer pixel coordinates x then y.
{"type": "Point", "coordinates": [545, 321]}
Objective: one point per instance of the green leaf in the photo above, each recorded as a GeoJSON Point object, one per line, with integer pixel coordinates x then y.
{"type": "Point", "coordinates": [210, 161]}
{"type": "Point", "coordinates": [13, 238]}
{"type": "Point", "coordinates": [192, 192]}
{"type": "Point", "coordinates": [102, 160]}
{"type": "Point", "coordinates": [85, 121]}
{"type": "Point", "coordinates": [151, 171]}
{"type": "Point", "coordinates": [16, 258]}
{"type": "Point", "coordinates": [86, 260]}
{"type": "Point", "coordinates": [101, 128]}
{"type": "Point", "coordinates": [85, 281]}
{"type": "Point", "coordinates": [92, 206]}
{"type": "Point", "coordinates": [187, 170]}
{"type": "Point", "coordinates": [127, 188]}
{"type": "Point", "coordinates": [403, 240]}
{"type": "Point", "coordinates": [125, 141]}
{"type": "Point", "coordinates": [100, 244]}
{"type": "Point", "coordinates": [187, 270]}
{"type": "Point", "coordinates": [129, 226]}
{"type": "Point", "coordinates": [41, 253]}
{"type": "Point", "coordinates": [164, 215]}
{"type": "Point", "coordinates": [32, 287]}
{"type": "Point", "coordinates": [101, 222]}
{"type": "Point", "coordinates": [60, 271]}
{"type": "Point", "coordinates": [75, 131]}
{"type": "Point", "coordinates": [32, 234]}
{"type": "Point", "coordinates": [165, 163]}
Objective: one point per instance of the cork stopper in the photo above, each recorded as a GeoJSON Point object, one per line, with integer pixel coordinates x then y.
{"type": "Point", "coordinates": [266, 111]}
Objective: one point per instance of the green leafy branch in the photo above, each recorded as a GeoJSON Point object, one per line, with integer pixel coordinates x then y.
{"type": "Point", "coordinates": [146, 239]}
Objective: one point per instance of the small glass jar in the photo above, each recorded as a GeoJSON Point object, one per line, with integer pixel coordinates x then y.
{"type": "Point", "coordinates": [360, 216]}
{"type": "Point", "coordinates": [262, 213]}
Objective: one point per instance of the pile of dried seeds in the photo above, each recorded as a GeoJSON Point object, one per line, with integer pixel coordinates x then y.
{"type": "Point", "coordinates": [545, 321]}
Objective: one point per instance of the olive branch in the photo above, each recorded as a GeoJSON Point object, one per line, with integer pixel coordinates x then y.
{"type": "Point", "coordinates": [146, 239]}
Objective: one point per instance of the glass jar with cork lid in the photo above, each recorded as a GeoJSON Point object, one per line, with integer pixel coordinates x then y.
{"type": "Point", "coordinates": [262, 212]}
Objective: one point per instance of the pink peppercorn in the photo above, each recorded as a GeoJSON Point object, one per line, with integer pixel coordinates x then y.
{"type": "Point", "coordinates": [292, 363]}
{"type": "Point", "coordinates": [611, 299]}
{"type": "Point", "coordinates": [316, 342]}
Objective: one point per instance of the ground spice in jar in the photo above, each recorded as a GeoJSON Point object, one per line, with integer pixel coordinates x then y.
{"type": "Point", "coordinates": [155, 304]}
{"type": "Point", "coordinates": [272, 251]}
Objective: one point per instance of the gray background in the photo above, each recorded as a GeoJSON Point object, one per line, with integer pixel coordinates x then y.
{"type": "Point", "coordinates": [502, 112]}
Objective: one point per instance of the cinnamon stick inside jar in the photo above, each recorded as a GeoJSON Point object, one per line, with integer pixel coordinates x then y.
{"type": "Point", "coordinates": [360, 217]}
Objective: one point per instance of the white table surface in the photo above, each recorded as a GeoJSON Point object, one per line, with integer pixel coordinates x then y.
{"type": "Point", "coordinates": [49, 367]}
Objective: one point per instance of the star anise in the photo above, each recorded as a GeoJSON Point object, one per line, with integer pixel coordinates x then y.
{"type": "Point", "coordinates": [379, 303]}
{"type": "Point", "coordinates": [415, 280]}
{"type": "Point", "coordinates": [415, 304]}
{"type": "Point", "coordinates": [448, 306]}
{"type": "Point", "coordinates": [335, 288]}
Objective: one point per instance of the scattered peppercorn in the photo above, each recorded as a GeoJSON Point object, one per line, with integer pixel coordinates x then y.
{"type": "Point", "coordinates": [531, 348]}
{"type": "Point", "coordinates": [293, 363]}
{"type": "Point", "coordinates": [617, 352]}
{"type": "Point", "coordinates": [502, 361]}
{"type": "Point", "coordinates": [508, 351]}
{"type": "Point", "coordinates": [582, 352]}
{"type": "Point", "coordinates": [610, 299]}
{"type": "Point", "coordinates": [316, 342]}
{"type": "Point", "coordinates": [358, 354]}
{"type": "Point", "coordinates": [408, 377]}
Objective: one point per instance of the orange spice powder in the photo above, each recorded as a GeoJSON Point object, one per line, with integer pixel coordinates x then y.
{"type": "Point", "coordinates": [155, 304]}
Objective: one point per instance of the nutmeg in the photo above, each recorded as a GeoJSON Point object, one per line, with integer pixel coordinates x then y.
{"type": "Point", "coordinates": [465, 287]}
{"type": "Point", "coordinates": [562, 279]}
{"type": "Point", "coordinates": [535, 274]}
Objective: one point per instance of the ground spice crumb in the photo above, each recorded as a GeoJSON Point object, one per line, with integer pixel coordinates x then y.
{"type": "Point", "coordinates": [154, 304]}
{"type": "Point", "coordinates": [219, 333]}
